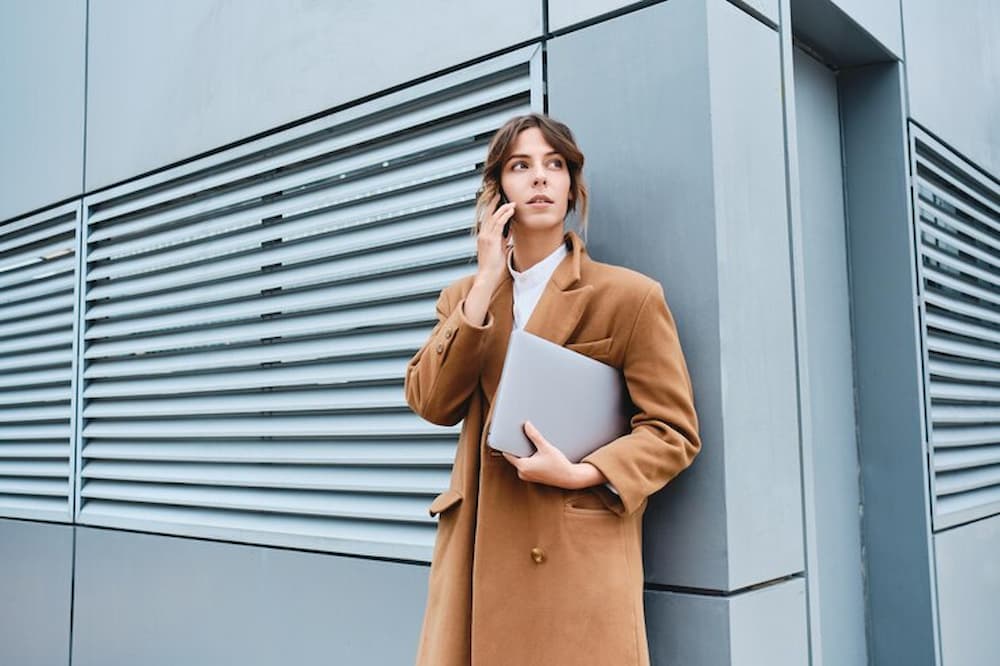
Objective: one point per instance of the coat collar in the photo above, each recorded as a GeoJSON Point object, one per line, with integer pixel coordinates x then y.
{"type": "Point", "coordinates": [556, 316]}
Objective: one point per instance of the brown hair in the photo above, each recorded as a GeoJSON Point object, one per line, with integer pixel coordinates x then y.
{"type": "Point", "coordinates": [558, 136]}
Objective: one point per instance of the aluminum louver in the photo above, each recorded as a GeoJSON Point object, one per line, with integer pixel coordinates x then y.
{"type": "Point", "coordinates": [958, 224]}
{"type": "Point", "coordinates": [38, 267]}
{"type": "Point", "coordinates": [249, 317]}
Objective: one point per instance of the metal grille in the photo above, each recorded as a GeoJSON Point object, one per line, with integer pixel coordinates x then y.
{"type": "Point", "coordinates": [38, 266]}
{"type": "Point", "coordinates": [249, 318]}
{"type": "Point", "coordinates": [958, 224]}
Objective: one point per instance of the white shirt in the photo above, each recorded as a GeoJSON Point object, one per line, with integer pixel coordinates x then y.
{"type": "Point", "coordinates": [529, 285]}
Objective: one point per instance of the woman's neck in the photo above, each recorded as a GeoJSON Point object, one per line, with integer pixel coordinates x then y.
{"type": "Point", "coordinates": [532, 247]}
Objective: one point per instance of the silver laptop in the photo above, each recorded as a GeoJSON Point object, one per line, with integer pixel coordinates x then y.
{"type": "Point", "coordinates": [577, 403]}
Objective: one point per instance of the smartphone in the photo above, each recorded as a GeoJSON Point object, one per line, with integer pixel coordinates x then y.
{"type": "Point", "coordinates": [506, 226]}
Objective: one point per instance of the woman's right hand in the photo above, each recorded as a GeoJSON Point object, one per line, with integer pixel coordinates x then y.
{"type": "Point", "coordinates": [491, 247]}
{"type": "Point", "coordinates": [491, 255]}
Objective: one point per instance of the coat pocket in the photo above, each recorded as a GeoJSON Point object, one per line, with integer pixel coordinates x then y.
{"type": "Point", "coordinates": [588, 503]}
{"type": "Point", "coordinates": [444, 501]}
{"type": "Point", "coordinates": [593, 348]}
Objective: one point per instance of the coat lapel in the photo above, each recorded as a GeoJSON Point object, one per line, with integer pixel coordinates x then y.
{"type": "Point", "coordinates": [502, 309]}
{"type": "Point", "coordinates": [564, 300]}
{"type": "Point", "coordinates": [554, 318]}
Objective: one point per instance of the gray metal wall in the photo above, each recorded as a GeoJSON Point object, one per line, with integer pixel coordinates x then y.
{"type": "Point", "coordinates": [36, 572]}
{"type": "Point", "coordinates": [42, 113]}
{"type": "Point", "coordinates": [952, 83]}
{"type": "Point", "coordinates": [169, 80]}
{"type": "Point", "coordinates": [155, 600]}
{"type": "Point", "coordinates": [689, 188]}
{"type": "Point", "coordinates": [968, 579]}
{"type": "Point", "coordinates": [570, 13]}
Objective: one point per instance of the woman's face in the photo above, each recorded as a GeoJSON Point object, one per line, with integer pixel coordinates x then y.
{"type": "Point", "coordinates": [536, 179]}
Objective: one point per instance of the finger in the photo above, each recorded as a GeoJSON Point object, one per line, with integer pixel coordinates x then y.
{"type": "Point", "coordinates": [500, 217]}
{"type": "Point", "coordinates": [491, 205]}
{"type": "Point", "coordinates": [513, 460]}
{"type": "Point", "coordinates": [535, 436]}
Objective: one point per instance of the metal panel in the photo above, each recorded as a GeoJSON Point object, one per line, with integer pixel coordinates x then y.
{"type": "Point", "coordinates": [832, 495]}
{"type": "Point", "coordinates": [766, 625]}
{"type": "Point", "coordinates": [162, 601]}
{"type": "Point", "coordinates": [42, 59]}
{"type": "Point", "coordinates": [678, 176]}
{"type": "Point", "coordinates": [969, 592]}
{"type": "Point", "coordinates": [37, 347]}
{"type": "Point", "coordinates": [249, 317]}
{"type": "Point", "coordinates": [565, 13]}
{"type": "Point", "coordinates": [953, 74]}
{"type": "Point", "coordinates": [758, 351]}
{"type": "Point", "coordinates": [209, 73]}
{"type": "Point", "coordinates": [880, 18]}
{"type": "Point", "coordinates": [889, 407]}
{"type": "Point", "coordinates": [653, 209]}
{"type": "Point", "coordinates": [848, 33]}
{"type": "Point", "coordinates": [36, 573]}
{"type": "Point", "coordinates": [957, 218]}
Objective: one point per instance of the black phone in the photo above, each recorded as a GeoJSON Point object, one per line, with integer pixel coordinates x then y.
{"type": "Point", "coordinates": [506, 226]}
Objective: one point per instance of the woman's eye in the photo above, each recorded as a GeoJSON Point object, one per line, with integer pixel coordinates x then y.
{"type": "Point", "coordinates": [521, 164]}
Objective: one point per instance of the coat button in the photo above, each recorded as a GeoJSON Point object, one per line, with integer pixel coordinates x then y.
{"type": "Point", "coordinates": [538, 555]}
{"type": "Point", "coordinates": [447, 334]}
{"type": "Point", "coordinates": [440, 348]}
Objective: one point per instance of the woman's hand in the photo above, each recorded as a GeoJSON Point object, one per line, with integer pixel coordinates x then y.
{"type": "Point", "coordinates": [491, 255]}
{"type": "Point", "coordinates": [548, 465]}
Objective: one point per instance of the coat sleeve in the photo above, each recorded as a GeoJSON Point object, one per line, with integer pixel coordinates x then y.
{"type": "Point", "coordinates": [664, 437]}
{"type": "Point", "coordinates": [442, 376]}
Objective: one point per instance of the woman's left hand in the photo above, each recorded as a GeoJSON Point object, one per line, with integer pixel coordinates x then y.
{"type": "Point", "coordinates": [548, 465]}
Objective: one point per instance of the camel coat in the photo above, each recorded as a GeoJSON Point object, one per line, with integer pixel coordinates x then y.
{"type": "Point", "coordinates": [528, 574]}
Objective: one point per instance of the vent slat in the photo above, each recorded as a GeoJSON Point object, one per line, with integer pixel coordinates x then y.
{"type": "Point", "coordinates": [297, 502]}
{"type": "Point", "coordinates": [270, 354]}
{"type": "Point", "coordinates": [262, 326]}
{"type": "Point", "coordinates": [397, 452]}
{"type": "Point", "coordinates": [387, 425]}
{"type": "Point", "coordinates": [313, 477]}
{"type": "Point", "coordinates": [342, 535]}
{"type": "Point", "coordinates": [333, 400]}
{"type": "Point", "coordinates": [344, 373]}
{"type": "Point", "coordinates": [23, 273]}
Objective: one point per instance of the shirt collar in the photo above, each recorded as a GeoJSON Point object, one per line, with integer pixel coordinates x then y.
{"type": "Point", "coordinates": [540, 272]}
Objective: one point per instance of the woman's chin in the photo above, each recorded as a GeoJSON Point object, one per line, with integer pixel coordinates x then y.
{"type": "Point", "coordinates": [538, 225]}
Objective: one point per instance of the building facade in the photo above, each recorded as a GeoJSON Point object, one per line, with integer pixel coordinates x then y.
{"type": "Point", "coordinates": [223, 228]}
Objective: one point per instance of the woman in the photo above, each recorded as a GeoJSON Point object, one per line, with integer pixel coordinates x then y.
{"type": "Point", "coordinates": [539, 560]}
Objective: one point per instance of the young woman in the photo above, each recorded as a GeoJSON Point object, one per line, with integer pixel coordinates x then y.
{"type": "Point", "coordinates": [539, 560]}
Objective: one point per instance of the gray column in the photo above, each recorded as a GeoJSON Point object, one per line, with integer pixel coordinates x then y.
{"type": "Point", "coordinates": [689, 188]}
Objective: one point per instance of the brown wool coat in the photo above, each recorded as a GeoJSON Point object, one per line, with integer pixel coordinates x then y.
{"type": "Point", "coordinates": [528, 574]}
